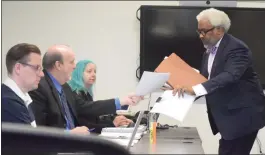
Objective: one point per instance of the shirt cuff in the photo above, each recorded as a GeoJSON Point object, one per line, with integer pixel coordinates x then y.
{"type": "Point", "coordinates": [199, 90]}
{"type": "Point", "coordinates": [118, 104]}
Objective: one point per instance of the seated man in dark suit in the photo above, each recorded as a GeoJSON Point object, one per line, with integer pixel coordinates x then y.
{"type": "Point", "coordinates": [234, 95]}
{"type": "Point", "coordinates": [54, 103]}
{"type": "Point", "coordinates": [23, 62]}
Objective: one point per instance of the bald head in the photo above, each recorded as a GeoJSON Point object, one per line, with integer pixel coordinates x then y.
{"type": "Point", "coordinates": [55, 53]}
{"type": "Point", "coordinates": [59, 60]}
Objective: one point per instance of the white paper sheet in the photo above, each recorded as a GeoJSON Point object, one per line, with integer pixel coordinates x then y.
{"type": "Point", "coordinates": [150, 82]}
{"type": "Point", "coordinates": [174, 106]}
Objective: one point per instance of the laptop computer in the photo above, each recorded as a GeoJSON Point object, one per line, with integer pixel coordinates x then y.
{"type": "Point", "coordinates": [124, 136]}
{"type": "Point", "coordinates": [140, 116]}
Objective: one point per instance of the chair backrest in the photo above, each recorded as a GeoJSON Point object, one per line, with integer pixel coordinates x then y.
{"type": "Point", "coordinates": [22, 139]}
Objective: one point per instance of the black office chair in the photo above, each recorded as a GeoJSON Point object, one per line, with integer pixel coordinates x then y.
{"type": "Point", "coordinates": [21, 139]}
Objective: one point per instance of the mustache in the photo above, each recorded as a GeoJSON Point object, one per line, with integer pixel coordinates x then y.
{"type": "Point", "coordinates": [209, 42]}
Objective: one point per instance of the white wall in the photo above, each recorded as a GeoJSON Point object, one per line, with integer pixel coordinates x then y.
{"type": "Point", "coordinates": [105, 32]}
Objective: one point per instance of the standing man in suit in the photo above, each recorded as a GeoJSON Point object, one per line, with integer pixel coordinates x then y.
{"type": "Point", "coordinates": [23, 63]}
{"type": "Point", "coordinates": [54, 103]}
{"type": "Point", "coordinates": [234, 95]}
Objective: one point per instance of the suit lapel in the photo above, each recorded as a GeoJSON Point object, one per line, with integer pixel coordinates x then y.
{"type": "Point", "coordinates": [220, 49]}
{"type": "Point", "coordinates": [71, 108]}
{"type": "Point", "coordinates": [89, 97]}
{"type": "Point", "coordinates": [204, 67]}
{"type": "Point", "coordinates": [68, 92]}
{"type": "Point", "coordinates": [54, 92]}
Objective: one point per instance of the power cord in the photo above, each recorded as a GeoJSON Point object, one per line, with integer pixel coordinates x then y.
{"type": "Point", "coordinates": [165, 126]}
{"type": "Point", "coordinates": [138, 69]}
{"type": "Point", "coordinates": [137, 14]}
{"type": "Point", "coordinates": [259, 145]}
{"type": "Point", "coordinates": [149, 102]}
{"type": "Point", "coordinates": [138, 73]}
{"type": "Point", "coordinates": [148, 109]}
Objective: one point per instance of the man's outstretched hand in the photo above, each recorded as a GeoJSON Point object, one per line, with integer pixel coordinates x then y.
{"type": "Point", "coordinates": [182, 89]}
{"type": "Point", "coordinates": [131, 99]}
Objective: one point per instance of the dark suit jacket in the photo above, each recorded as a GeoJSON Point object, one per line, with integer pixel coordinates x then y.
{"type": "Point", "coordinates": [48, 110]}
{"type": "Point", "coordinates": [13, 108]}
{"type": "Point", "coordinates": [235, 99]}
{"type": "Point", "coordinates": [92, 121]}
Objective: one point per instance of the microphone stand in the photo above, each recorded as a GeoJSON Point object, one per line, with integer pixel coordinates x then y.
{"type": "Point", "coordinates": [149, 115]}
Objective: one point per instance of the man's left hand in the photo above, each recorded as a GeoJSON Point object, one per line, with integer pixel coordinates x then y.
{"type": "Point", "coordinates": [182, 89]}
{"type": "Point", "coordinates": [121, 120]}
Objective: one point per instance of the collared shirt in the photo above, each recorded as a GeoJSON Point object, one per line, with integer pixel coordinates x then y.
{"type": "Point", "coordinates": [57, 85]}
{"type": "Point", "coordinates": [199, 90]}
{"type": "Point", "coordinates": [24, 96]}
{"type": "Point", "coordinates": [59, 89]}
{"type": "Point", "coordinates": [212, 54]}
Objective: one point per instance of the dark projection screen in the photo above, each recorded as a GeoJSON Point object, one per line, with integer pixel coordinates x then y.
{"type": "Point", "coordinates": [168, 29]}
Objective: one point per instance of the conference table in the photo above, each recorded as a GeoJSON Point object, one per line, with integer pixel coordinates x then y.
{"type": "Point", "coordinates": [181, 140]}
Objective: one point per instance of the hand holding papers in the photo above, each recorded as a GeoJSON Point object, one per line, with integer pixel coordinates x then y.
{"type": "Point", "coordinates": [167, 87]}
{"type": "Point", "coordinates": [180, 90]}
{"type": "Point", "coordinates": [130, 99]}
{"type": "Point", "coordinates": [151, 82]}
{"type": "Point", "coordinates": [174, 106]}
{"type": "Point", "coordinates": [181, 74]}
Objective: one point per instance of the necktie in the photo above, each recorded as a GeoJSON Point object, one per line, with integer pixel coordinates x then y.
{"type": "Point", "coordinates": [212, 50]}
{"type": "Point", "coordinates": [67, 113]}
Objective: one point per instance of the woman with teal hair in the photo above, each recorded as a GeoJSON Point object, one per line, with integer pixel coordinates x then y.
{"type": "Point", "coordinates": [81, 83]}
{"type": "Point", "coordinates": [83, 80]}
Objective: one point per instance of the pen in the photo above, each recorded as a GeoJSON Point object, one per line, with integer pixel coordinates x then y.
{"type": "Point", "coordinates": [91, 129]}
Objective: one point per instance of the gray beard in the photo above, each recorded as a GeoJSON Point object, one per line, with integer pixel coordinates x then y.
{"type": "Point", "coordinates": [207, 46]}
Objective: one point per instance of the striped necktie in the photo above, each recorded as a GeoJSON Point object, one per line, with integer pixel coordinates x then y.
{"type": "Point", "coordinates": [67, 113]}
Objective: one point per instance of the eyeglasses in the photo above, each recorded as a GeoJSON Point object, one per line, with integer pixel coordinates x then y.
{"type": "Point", "coordinates": [204, 32]}
{"type": "Point", "coordinates": [37, 68]}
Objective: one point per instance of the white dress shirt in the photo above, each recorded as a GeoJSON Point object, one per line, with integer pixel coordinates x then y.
{"type": "Point", "coordinates": [199, 90]}
{"type": "Point", "coordinates": [24, 96]}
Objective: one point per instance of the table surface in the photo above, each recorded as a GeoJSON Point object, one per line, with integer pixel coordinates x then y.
{"type": "Point", "coordinates": [179, 140]}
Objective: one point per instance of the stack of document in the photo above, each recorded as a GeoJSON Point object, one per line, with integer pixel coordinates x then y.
{"type": "Point", "coordinates": [174, 106]}
{"type": "Point", "coordinates": [141, 128]}
{"type": "Point", "coordinates": [122, 136]}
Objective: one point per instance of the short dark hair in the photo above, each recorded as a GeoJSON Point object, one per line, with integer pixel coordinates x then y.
{"type": "Point", "coordinates": [20, 53]}
{"type": "Point", "coordinates": [50, 58]}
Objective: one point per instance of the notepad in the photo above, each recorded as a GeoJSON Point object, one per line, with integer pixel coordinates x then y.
{"type": "Point", "coordinates": [129, 134]}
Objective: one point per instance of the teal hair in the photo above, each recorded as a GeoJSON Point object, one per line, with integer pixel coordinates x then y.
{"type": "Point", "coordinates": [77, 82]}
